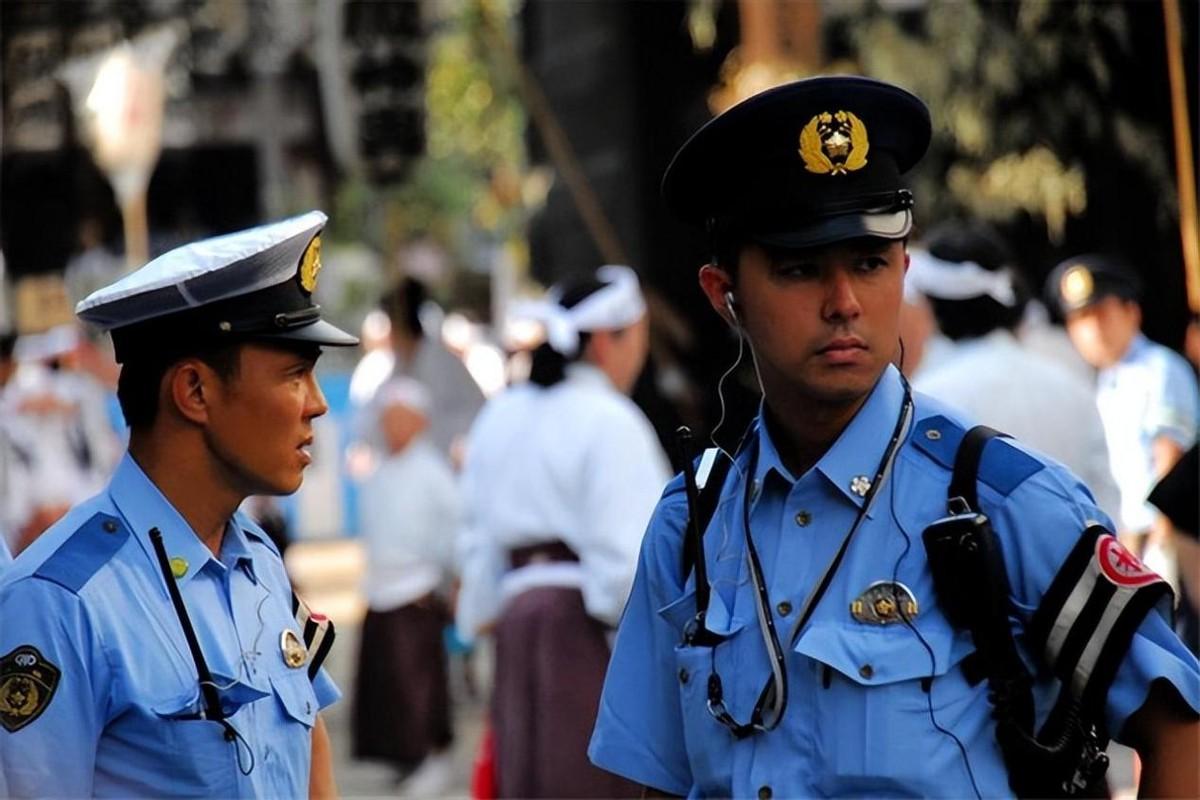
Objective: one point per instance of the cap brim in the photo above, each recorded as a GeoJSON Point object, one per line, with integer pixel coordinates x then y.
{"type": "Point", "coordinates": [320, 332]}
{"type": "Point", "coordinates": [892, 225]}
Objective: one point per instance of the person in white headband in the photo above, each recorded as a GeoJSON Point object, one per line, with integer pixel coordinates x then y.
{"type": "Point", "coordinates": [601, 320]}
{"type": "Point", "coordinates": [978, 302]}
{"type": "Point", "coordinates": [561, 474]}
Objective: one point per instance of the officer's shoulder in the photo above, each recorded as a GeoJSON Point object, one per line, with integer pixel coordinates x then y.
{"type": "Point", "coordinates": [75, 549]}
{"type": "Point", "coordinates": [938, 431]}
{"type": "Point", "coordinates": [255, 533]}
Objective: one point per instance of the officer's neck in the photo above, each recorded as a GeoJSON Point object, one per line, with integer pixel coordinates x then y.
{"type": "Point", "coordinates": [803, 431]}
{"type": "Point", "coordinates": [192, 482]}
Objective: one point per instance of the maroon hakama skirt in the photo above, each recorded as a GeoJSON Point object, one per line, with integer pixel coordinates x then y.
{"type": "Point", "coordinates": [550, 663]}
{"type": "Point", "coordinates": [402, 695]}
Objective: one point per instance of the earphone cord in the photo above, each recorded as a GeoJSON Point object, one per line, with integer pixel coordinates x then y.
{"type": "Point", "coordinates": [909, 624]}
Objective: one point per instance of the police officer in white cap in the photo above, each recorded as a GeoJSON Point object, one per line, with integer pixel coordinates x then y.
{"type": "Point", "coordinates": [151, 643]}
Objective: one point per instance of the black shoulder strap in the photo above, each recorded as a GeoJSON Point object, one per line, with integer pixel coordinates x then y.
{"type": "Point", "coordinates": [706, 506]}
{"type": "Point", "coordinates": [965, 480]}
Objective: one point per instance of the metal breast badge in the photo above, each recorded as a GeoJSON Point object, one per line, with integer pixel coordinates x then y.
{"type": "Point", "coordinates": [293, 650]}
{"type": "Point", "coordinates": [884, 603]}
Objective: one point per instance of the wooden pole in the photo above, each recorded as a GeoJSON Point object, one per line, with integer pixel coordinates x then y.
{"type": "Point", "coordinates": [1185, 175]}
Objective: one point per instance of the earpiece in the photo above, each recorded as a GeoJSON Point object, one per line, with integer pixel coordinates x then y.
{"type": "Point", "coordinates": [729, 307]}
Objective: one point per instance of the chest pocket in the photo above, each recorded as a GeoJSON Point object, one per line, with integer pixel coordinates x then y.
{"type": "Point", "coordinates": [709, 744]}
{"type": "Point", "coordinates": [875, 688]}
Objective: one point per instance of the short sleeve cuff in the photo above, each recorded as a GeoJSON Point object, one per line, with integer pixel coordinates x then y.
{"type": "Point", "coordinates": [1155, 653]}
{"type": "Point", "coordinates": [621, 757]}
{"type": "Point", "coordinates": [326, 690]}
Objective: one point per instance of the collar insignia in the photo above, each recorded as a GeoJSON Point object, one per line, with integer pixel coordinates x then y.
{"type": "Point", "coordinates": [860, 485]}
{"type": "Point", "coordinates": [1077, 285]}
{"type": "Point", "coordinates": [27, 684]}
{"type": "Point", "coordinates": [310, 265]}
{"type": "Point", "coordinates": [834, 143]}
{"type": "Point", "coordinates": [884, 603]}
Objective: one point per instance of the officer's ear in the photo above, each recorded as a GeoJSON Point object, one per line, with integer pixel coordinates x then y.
{"type": "Point", "coordinates": [717, 285]}
{"type": "Point", "coordinates": [189, 387]}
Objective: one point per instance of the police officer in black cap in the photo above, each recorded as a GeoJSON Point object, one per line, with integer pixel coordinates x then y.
{"type": "Point", "coordinates": [1146, 393]}
{"type": "Point", "coordinates": [784, 636]}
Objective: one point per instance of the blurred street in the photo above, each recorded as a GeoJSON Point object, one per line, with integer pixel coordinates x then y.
{"type": "Point", "coordinates": [328, 575]}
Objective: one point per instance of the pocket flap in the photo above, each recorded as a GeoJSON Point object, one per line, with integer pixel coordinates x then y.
{"type": "Point", "coordinates": [718, 620]}
{"type": "Point", "coordinates": [190, 703]}
{"type": "Point", "coordinates": [296, 694]}
{"type": "Point", "coordinates": [874, 656]}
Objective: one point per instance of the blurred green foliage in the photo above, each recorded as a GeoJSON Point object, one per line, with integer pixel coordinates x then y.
{"type": "Point", "coordinates": [1020, 91]}
{"type": "Point", "coordinates": [460, 191]}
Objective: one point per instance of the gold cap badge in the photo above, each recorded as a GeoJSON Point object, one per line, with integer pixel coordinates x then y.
{"type": "Point", "coordinates": [1077, 285]}
{"type": "Point", "coordinates": [884, 603]}
{"type": "Point", "coordinates": [834, 143]}
{"type": "Point", "coordinates": [293, 650]}
{"type": "Point", "coordinates": [310, 265]}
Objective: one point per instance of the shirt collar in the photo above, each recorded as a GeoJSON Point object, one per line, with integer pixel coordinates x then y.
{"type": "Point", "coordinates": [590, 374]}
{"type": "Point", "coordinates": [144, 507]}
{"type": "Point", "coordinates": [851, 462]}
{"type": "Point", "coordinates": [1136, 347]}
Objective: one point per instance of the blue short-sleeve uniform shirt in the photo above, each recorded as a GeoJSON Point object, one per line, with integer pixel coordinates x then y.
{"type": "Point", "coordinates": [866, 701]}
{"type": "Point", "coordinates": [99, 693]}
{"type": "Point", "coordinates": [1150, 393]}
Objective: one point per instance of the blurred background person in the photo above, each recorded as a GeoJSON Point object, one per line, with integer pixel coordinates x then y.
{"type": "Point", "coordinates": [978, 300]}
{"type": "Point", "coordinates": [455, 398]}
{"type": "Point", "coordinates": [1147, 396]}
{"type": "Point", "coordinates": [561, 475]}
{"type": "Point", "coordinates": [410, 514]}
{"type": "Point", "coordinates": [59, 433]}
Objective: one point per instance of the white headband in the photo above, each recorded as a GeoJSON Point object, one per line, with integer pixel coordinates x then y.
{"type": "Point", "coordinates": [617, 305]}
{"type": "Point", "coordinates": [952, 280]}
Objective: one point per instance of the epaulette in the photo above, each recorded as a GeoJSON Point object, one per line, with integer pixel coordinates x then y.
{"type": "Point", "coordinates": [1003, 467]}
{"type": "Point", "coordinates": [84, 552]}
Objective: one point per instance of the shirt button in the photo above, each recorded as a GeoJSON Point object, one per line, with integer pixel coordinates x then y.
{"type": "Point", "coordinates": [866, 670]}
{"type": "Point", "coordinates": [803, 518]}
{"type": "Point", "coordinates": [683, 676]}
{"type": "Point", "coordinates": [784, 608]}
{"type": "Point", "coordinates": [109, 526]}
{"type": "Point", "coordinates": [764, 793]}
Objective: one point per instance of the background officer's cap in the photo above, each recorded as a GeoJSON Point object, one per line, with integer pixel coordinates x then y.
{"type": "Point", "coordinates": [1083, 280]}
{"type": "Point", "coordinates": [808, 163]}
{"type": "Point", "coordinates": [253, 285]}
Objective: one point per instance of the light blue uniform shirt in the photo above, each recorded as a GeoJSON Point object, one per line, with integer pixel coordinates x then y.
{"type": "Point", "coordinates": [1150, 392]}
{"type": "Point", "coordinates": [89, 597]}
{"type": "Point", "coordinates": [857, 720]}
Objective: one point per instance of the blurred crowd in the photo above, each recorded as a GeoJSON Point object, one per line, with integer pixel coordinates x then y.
{"type": "Point", "coordinates": [499, 516]}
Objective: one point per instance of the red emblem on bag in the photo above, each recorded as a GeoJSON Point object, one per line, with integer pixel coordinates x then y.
{"type": "Point", "coordinates": [1121, 566]}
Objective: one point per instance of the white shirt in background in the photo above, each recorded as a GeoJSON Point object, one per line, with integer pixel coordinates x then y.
{"type": "Point", "coordinates": [577, 462]}
{"type": "Point", "coordinates": [1150, 392]}
{"type": "Point", "coordinates": [410, 515]}
{"type": "Point", "coordinates": [1041, 403]}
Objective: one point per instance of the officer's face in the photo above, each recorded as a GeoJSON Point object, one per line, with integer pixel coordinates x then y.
{"type": "Point", "coordinates": [1103, 331]}
{"type": "Point", "coordinates": [260, 419]}
{"type": "Point", "coordinates": [824, 321]}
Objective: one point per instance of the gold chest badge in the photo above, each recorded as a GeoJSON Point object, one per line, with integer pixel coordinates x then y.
{"type": "Point", "coordinates": [310, 265]}
{"type": "Point", "coordinates": [884, 603]}
{"type": "Point", "coordinates": [294, 653]}
{"type": "Point", "coordinates": [834, 143]}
